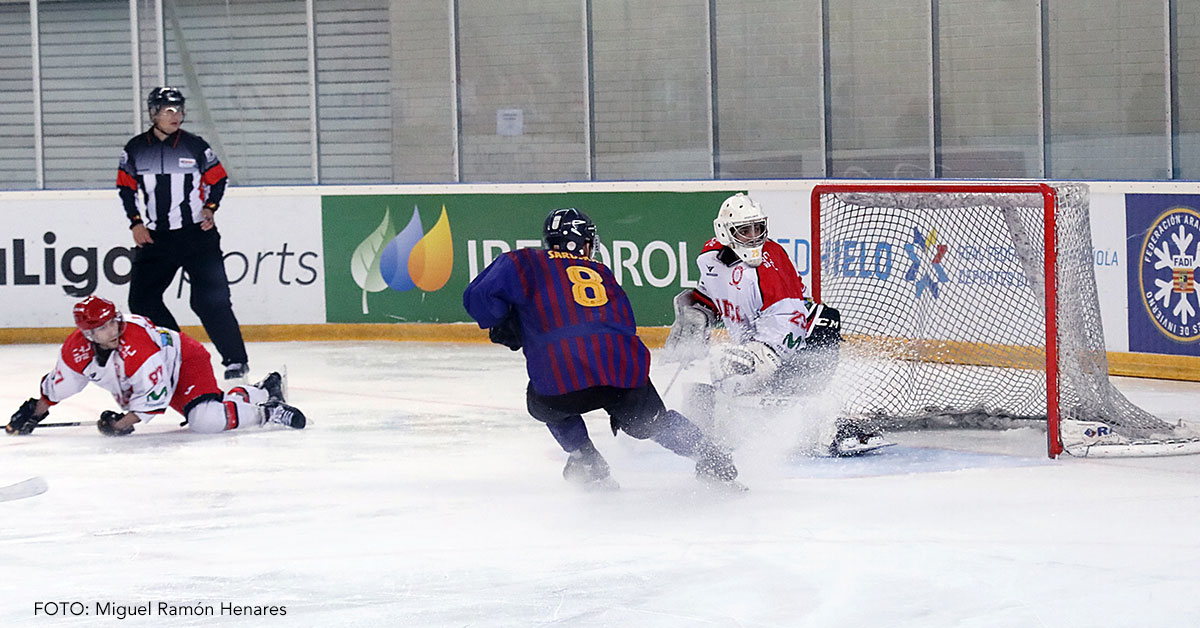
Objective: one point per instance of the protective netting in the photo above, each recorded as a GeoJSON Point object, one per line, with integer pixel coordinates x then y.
{"type": "Point", "coordinates": [943, 309]}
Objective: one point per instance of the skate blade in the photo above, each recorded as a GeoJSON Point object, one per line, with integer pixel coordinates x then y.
{"type": "Point", "coordinates": [858, 449]}
{"type": "Point", "coordinates": [283, 382]}
{"type": "Point", "coordinates": [722, 486]}
{"type": "Point", "coordinates": [606, 485]}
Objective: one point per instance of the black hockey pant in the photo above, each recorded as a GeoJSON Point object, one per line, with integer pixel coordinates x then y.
{"type": "Point", "coordinates": [639, 412]}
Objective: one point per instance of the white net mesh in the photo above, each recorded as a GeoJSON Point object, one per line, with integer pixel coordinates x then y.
{"type": "Point", "coordinates": [943, 310]}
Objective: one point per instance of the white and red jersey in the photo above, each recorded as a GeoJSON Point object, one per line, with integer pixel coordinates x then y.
{"type": "Point", "coordinates": [765, 303]}
{"type": "Point", "coordinates": [142, 373]}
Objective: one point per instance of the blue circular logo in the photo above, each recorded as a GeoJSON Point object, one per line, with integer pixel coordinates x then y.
{"type": "Point", "coordinates": [1167, 273]}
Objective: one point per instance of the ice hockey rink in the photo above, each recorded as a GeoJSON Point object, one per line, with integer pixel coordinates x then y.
{"type": "Point", "coordinates": [422, 494]}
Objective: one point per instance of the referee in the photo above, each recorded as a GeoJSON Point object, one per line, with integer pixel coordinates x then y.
{"type": "Point", "coordinates": [178, 180]}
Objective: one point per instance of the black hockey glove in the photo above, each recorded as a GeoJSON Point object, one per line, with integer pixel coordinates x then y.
{"type": "Point", "coordinates": [507, 332]}
{"type": "Point", "coordinates": [827, 328]}
{"type": "Point", "coordinates": [108, 424]}
{"type": "Point", "coordinates": [24, 420]}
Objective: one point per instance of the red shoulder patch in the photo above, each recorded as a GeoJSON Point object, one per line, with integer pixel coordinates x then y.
{"type": "Point", "coordinates": [712, 245]}
{"type": "Point", "coordinates": [777, 276]}
{"type": "Point", "coordinates": [77, 351]}
{"type": "Point", "coordinates": [136, 347]}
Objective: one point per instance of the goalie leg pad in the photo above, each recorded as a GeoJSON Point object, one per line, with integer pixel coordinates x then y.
{"type": "Point", "coordinates": [699, 403]}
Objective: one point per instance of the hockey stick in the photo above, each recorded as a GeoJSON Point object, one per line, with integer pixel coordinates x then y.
{"type": "Point", "coordinates": [682, 365]}
{"type": "Point", "coordinates": [63, 424]}
{"type": "Point", "coordinates": [26, 488]}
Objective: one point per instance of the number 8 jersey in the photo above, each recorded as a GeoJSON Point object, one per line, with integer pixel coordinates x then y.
{"type": "Point", "coordinates": [577, 325]}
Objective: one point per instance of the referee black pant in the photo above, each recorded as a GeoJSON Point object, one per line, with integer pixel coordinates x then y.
{"type": "Point", "coordinates": [198, 253]}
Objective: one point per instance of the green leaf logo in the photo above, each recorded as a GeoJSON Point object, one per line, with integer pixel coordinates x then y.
{"type": "Point", "coordinates": [159, 395]}
{"type": "Point", "coordinates": [364, 263]}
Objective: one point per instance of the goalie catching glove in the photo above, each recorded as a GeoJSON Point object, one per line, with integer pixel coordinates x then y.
{"type": "Point", "coordinates": [108, 424]}
{"type": "Point", "coordinates": [745, 367]}
{"type": "Point", "coordinates": [688, 338]}
{"type": "Point", "coordinates": [24, 420]}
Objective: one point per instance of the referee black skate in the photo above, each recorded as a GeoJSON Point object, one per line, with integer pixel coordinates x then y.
{"type": "Point", "coordinates": [171, 184]}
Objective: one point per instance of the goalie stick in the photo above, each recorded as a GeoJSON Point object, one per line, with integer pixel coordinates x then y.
{"type": "Point", "coordinates": [26, 488]}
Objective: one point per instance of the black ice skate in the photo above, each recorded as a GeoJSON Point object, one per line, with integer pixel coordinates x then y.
{"type": "Point", "coordinates": [283, 414]}
{"type": "Point", "coordinates": [587, 468]}
{"type": "Point", "coordinates": [855, 439]}
{"type": "Point", "coordinates": [275, 385]}
{"type": "Point", "coordinates": [714, 466]}
{"type": "Point", "coordinates": [237, 370]}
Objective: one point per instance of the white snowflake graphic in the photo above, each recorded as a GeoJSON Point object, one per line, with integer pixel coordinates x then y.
{"type": "Point", "coordinates": [1183, 274]}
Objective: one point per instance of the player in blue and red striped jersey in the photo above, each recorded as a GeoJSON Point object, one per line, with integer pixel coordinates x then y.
{"type": "Point", "coordinates": [576, 327]}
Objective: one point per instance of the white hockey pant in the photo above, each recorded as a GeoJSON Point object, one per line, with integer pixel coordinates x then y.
{"type": "Point", "coordinates": [239, 409]}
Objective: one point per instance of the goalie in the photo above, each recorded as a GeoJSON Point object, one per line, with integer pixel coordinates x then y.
{"type": "Point", "coordinates": [782, 342]}
{"type": "Point", "coordinates": [149, 369]}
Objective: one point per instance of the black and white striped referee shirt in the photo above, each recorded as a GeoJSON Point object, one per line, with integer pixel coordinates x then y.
{"type": "Point", "coordinates": [175, 178]}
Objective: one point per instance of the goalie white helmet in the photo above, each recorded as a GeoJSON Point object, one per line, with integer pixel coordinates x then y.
{"type": "Point", "coordinates": [742, 226]}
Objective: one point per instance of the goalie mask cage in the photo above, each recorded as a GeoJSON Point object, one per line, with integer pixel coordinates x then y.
{"type": "Point", "coordinates": [975, 305]}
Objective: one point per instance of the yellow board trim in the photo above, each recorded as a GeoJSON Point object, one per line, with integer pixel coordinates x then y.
{"type": "Point", "coordinates": [1152, 365]}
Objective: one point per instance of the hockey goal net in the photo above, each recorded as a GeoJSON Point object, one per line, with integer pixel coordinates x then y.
{"type": "Point", "coordinates": [976, 306]}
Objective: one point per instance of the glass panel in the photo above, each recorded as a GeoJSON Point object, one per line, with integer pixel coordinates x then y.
{"type": "Point", "coordinates": [354, 94]}
{"type": "Point", "coordinates": [386, 108]}
{"type": "Point", "coordinates": [651, 90]}
{"type": "Point", "coordinates": [988, 76]}
{"type": "Point", "coordinates": [243, 67]}
{"type": "Point", "coordinates": [17, 162]}
{"type": "Point", "coordinates": [150, 54]}
{"type": "Point", "coordinates": [1187, 55]}
{"type": "Point", "coordinates": [86, 87]}
{"type": "Point", "coordinates": [1107, 90]}
{"type": "Point", "coordinates": [769, 89]}
{"type": "Point", "coordinates": [422, 95]}
{"type": "Point", "coordinates": [879, 69]}
{"type": "Point", "coordinates": [522, 91]}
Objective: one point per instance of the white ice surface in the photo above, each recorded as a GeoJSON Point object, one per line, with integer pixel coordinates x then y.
{"type": "Point", "coordinates": [422, 494]}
